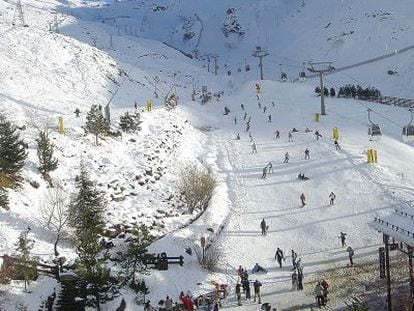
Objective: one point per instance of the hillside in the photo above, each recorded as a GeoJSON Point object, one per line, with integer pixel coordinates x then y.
{"type": "Point", "coordinates": [123, 53]}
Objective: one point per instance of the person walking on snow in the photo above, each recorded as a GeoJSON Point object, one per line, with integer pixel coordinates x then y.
{"type": "Point", "coordinates": [294, 279]}
{"type": "Point", "coordinates": [263, 226]}
{"type": "Point", "coordinates": [270, 167]}
{"type": "Point", "coordinates": [277, 134]}
{"type": "Point", "coordinates": [342, 236]}
{"type": "Point", "coordinates": [264, 109]}
{"type": "Point", "coordinates": [257, 286]}
{"type": "Point", "coordinates": [351, 255]}
{"type": "Point", "coordinates": [318, 291]}
{"type": "Point", "coordinates": [238, 294]}
{"type": "Point", "coordinates": [254, 148]}
{"type": "Point", "coordinates": [287, 156]}
{"type": "Point", "coordinates": [318, 135]}
{"type": "Point", "coordinates": [264, 172]}
{"type": "Point", "coordinates": [290, 136]}
{"type": "Point", "coordinates": [294, 257]}
{"type": "Point", "coordinates": [302, 199]}
{"type": "Point", "coordinates": [279, 256]}
{"type": "Point", "coordinates": [307, 154]}
{"type": "Point", "coordinates": [337, 147]}
{"type": "Point", "coordinates": [332, 198]}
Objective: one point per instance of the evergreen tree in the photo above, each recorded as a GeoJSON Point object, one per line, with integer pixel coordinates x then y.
{"type": "Point", "coordinates": [25, 267]}
{"type": "Point", "coordinates": [47, 162]}
{"type": "Point", "coordinates": [96, 123]}
{"type": "Point", "coordinates": [4, 199]}
{"type": "Point", "coordinates": [130, 122]}
{"type": "Point", "coordinates": [12, 153]}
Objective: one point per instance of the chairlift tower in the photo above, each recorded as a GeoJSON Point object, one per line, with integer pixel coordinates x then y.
{"type": "Point", "coordinates": [260, 54]}
{"type": "Point", "coordinates": [321, 68]}
{"type": "Point", "coordinates": [18, 14]}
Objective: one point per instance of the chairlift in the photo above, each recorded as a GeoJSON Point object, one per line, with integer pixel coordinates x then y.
{"type": "Point", "coordinates": [408, 130]}
{"type": "Point", "coordinates": [374, 130]}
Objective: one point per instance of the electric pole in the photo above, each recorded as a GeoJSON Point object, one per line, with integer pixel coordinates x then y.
{"type": "Point", "coordinates": [320, 68]}
{"type": "Point", "coordinates": [260, 53]}
{"type": "Point", "coordinates": [214, 56]}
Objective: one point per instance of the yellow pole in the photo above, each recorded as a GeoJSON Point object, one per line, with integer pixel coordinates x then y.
{"type": "Point", "coordinates": [61, 126]}
{"type": "Point", "coordinates": [316, 117]}
{"type": "Point", "coordinates": [375, 156]}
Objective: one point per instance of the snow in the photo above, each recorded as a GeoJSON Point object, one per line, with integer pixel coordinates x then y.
{"type": "Point", "coordinates": [46, 75]}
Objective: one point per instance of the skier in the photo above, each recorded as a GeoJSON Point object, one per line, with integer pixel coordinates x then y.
{"type": "Point", "coordinates": [317, 135]}
{"type": "Point", "coordinates": [279, 256]}
{"type": "Point", "coordinates": [254, 148]}
{"type": "Point", "coordinates": [302, 199]}
{"type": "Point", "coordinates": [290, 137]}
{"type": "Point", "coordinates": [235, 120]}
{"type": "Point", "coordinates": [342, 236]}
{"type": "Point", "coordinates": [294, 280]}
{"type": "Point", "coordinates": [351, 255]}
{"type": "Point", "coordinates": [264, 172]}
{"type": "Point", "coordinates": [287, 156]}
{"type": "Point", "coordinates": [270, 167]}
{"type": "Point", "coordinates": [318, 291]}
{"type": "Point", "coordinates": [238, 294]}
{"type": "Point", "coordinates": [277, 134]}
{"type": "Point", "coordinates": [256, 286]}
{"type": "Point", "coordinates": [332, 198]}
{"type": "Point", "coordinates": [337, 147]}
{"type": "Point", "coordinates": [242, 106]}
{"type": "Point", "coordinates": [269, 118]}
{"type": "Point", "coordinates": [263, 226]}
{"type": "Point", "coordinates": [264, 109]}
{"type": "Point", "coordinates": [307, 154]}
{"type": "Point", "coordinates": [294, 257]}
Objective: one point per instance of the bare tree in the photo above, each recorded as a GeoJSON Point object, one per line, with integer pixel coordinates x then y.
{"type": "Point", "coordinates": [55, 213]}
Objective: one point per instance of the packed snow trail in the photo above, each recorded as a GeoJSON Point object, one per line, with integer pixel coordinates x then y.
{"type": "Point", "coordinates": [312, 231]}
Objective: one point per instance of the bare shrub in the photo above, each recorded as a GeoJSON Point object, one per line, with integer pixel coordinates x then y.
{"type": "Point", "coordinates": [212, 256]}
{"type": "Point", "coordinates": [197, 186]}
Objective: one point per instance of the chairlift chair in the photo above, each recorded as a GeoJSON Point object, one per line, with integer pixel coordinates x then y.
{"type": "Point", "coordinates": [374, 130]}
{"type": "Point", "coordinates": [408, 130]}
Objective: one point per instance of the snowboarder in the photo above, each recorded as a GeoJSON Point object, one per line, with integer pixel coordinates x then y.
{"type": "Point", "coordinates": [238, 294]}
{"type": "Point", "coordinates": [263, 226]}
{"type": "Point", "coordinates": [264, 109]}
{"type": "Point", "coordinates": [235, 120]}
{"type": "Point", "coordinates": [318, 291]}
{"type": "Point", "coordinates": [264, 172]}
{"type": "Point", "coordinates": [287, 157]}
{"type": "Point", "coordinates": [242, 106]}
{"type": "Point", "coordinates": [342, 236]}
{"type": "Point", "coordinates": [351, 255]}
{"type": "Point", "coordinates": [269, 118]}
{"type": "Point", "coordinates": [226, 110]}
{"type": "Point", "coordinates": [277, 134]}
{"type": "Point", "coordinates": [307, 154]}
{"type": "Point", "coordinates": [294, 257]}
{"type": "Point", "coordinates": [332, 198]}
{"type": "Point", "coordinates": [302, 176]}
{"type": "Point", "coordinates": [336, 144]}
{"type": "Point", "coordinates": [294, 279]}
{"type": "Point", "coordinates": [279, 256]}
{"type": "Point", "coordinates": [317, 135]}
{"type": "Point", "coordinates": [270, 167]}
{"type": "Point", "coordinates": [302, 199]}
{"type": "Point", "coordinates": [258, 268]}
{"type": "Point", "coordinates": [254, 148]}
{"type": "Point", "coordinates": [256, 286]}
{"type": "Point", "coordinates": [290, 136]}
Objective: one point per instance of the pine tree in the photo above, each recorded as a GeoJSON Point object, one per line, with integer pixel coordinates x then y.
{"type": "Point", "coordinates": [12, 153]}
{"type": "Point", "coordinates": [96, 123]}
{"type": "Point", "coordinates": [47, 162]}
{"type": "Point", "coordinates": [25, 267]}
{"type": "Point", "coordinates": [130, 122]}
{"type": "Point", "coordinates": [4, 199]}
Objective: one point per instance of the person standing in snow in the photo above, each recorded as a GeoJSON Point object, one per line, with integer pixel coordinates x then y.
{"type": "Point", "coordinates": [270, 167]}
{"type": "Point", "coordinates": [336, 144]}
{"type": "Point", "coordinates": [247, 284]}
{"type": "Point", "coordinates": [238, 294]}
{"type": "Point", "coordinates": [279, 256]}
{"type": "Point", "coordinates": [264, 109]}
{"type": "Point", "coordinates": [263, 226]}
{"type": "Point", "coordinates": [342, 236]}
{"type": "Point", "coordinates": [332, 198]}
{"type": "Point", "coordinates": [351, 255]}
{"type": "Point", "coordinates": [294, 279]}
{"type": "Point", "coordinates": [254, 148]}
{"type": "Point", "coordinates": [235, 120]}
{"type": "Point", "coordinates": [302, 199]}
{"type": "Point", "coordinates": [269, 118]}
{"type": "Point", "coordinates": [290, 136]}
{"type": "Point", "coordinates": [294, 257]}
{"type": "Point", "coordinates": [257, 286]}
{"type": "Point", "coordinates": [242, 106]}
{"type": "Point", "coordinates": [318, 135]}
{"type": "Point", "coordinates": [307, 154]}
{"type": "Point", "coordinates": [264, 172]}
{"type": "Point", "coordinates": [260, 105]}
{"type": "Point", "coordinates": [238, 136]}
{"type": "Point", "coordinates": [300, 279]}
{"type": "Point", "coordinates": [318, 291]}
{"type": "Point", "coordinates": [277, 134]}
{"type": "Point", "coordinates": [287, 156]}
{"type": "Point", "coordinates": [325, 286]}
